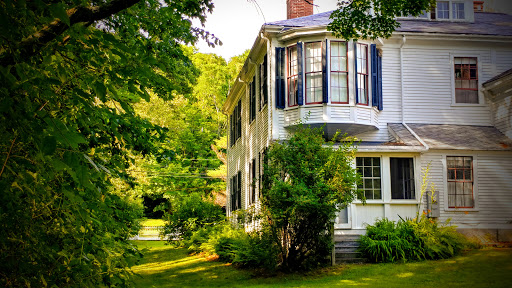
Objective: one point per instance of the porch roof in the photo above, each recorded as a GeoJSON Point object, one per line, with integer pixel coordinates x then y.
{"type": "Point", "coordinates": [461, 137]}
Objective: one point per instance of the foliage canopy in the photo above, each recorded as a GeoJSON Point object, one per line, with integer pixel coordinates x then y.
{"type": "Point", "coordinates": [71, 72]}
{"type": "Point", "coordinates": [305, 182]}
{"type": "Point", "coordinates": [371, 19]}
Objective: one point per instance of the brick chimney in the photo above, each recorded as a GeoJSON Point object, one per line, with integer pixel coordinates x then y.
{"type": "Point", "coordinates": [298, 8]}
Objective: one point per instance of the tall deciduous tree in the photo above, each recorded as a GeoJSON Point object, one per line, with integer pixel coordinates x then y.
{"type": "Point", "coordinates": [71, 72]}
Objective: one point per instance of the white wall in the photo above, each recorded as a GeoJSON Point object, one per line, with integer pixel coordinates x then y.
{"type": "Point", "coordinates": [492, 188]}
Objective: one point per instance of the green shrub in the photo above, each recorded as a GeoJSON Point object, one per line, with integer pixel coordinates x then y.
{"type": "Point", "coordinates": [256, 250]}
{"type": "Point", "coordinates": [408, 240]}
{"type": "Point", "coordinates": [190, 213]}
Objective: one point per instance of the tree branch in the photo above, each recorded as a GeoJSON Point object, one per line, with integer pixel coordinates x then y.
{"type": "Point", "coordinates": [33, 43]}
{"type": "Point", "coordinates": [7, 157]}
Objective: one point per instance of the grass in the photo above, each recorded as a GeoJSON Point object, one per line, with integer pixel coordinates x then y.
{"type": "Point", "coordinates": [152, 222]}
{"type": "Point", "coordinates": [164, 266]}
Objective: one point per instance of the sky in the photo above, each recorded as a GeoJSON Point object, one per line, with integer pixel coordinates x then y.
{"type": "Point", "coordinates": [237, 22]}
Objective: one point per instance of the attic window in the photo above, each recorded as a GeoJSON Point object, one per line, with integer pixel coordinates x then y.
{"type": "Point", "coordinates": [448, 10]}
{"type": "Point", "coordinates": [458, 10]}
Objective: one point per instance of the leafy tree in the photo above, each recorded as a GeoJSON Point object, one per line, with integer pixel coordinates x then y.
{"type": "Point", "coordinates": [71, 72]}
{"type": "Point", "coordinates": [196, 136]}
{"type": "Point", "coordinates": [371, 19]}
{"type": "Point", "coordinates": [305, 182]}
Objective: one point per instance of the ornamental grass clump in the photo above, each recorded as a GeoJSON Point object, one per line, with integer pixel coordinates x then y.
{"type": "Point", "coordinates": [410, 240]}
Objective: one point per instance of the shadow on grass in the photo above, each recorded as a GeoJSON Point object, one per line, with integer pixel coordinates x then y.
{"type": "Point", "coordinates": [165, 266]}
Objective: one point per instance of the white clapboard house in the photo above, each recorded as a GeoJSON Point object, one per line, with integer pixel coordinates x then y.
{"type": "Point", "coordinates": [438, 93]}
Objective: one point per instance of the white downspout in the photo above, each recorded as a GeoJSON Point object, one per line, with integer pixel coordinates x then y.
{"type": "Point", "coordinates": [402, 97]}
{"type": "Point", "coordinates": [270, 99]}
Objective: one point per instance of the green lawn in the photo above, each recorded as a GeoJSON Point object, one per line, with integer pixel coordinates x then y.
{"type": "Point", "coordinates": [167, 267]}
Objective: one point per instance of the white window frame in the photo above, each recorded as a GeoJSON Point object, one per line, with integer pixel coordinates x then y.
{"type": "Point", "coordinates": [475, 182]}
{"type": "Point", "coordinates": [481, 98]}
{"type": "Point", "coordinates": [380, 177]}
{"type": "Point", "coordinates": [468, 11]}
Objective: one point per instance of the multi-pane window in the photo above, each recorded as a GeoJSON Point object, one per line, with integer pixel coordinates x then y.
{"type": "Point", "coordinates": [252, 181]}
{"type": "Point", "coordinates": [252, 99]}
{"type": "Point", "coordinates": [460, 181]}
{"type": "Point", "coordinates": [402, 178]}
{"type": "Point", "coordinates": [339, 72]}
{"type": "Point", "coordinates": [457, 10]}
{"type": "Point", "coordinates": [466, 79]}
{"type": "Point", "coordinates": [313, 71]}
{"type": "Point", "coordinates": [236, 191]}
{"type": "Point", "coordinates": [292, 79]}
{"type": "Point", "coordinates": [235, 121]}
{"type": "Point", "coordinates": [263, 83]}
{"type": "Point", "coordinates": [443, 10]}
{"type": "Point", "coordinates": [369, 168]}
{"type": "Point", "coordinates": [362, 73]}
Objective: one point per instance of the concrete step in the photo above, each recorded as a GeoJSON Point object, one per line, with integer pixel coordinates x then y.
{"type": "Point", "coordinates": [350, 260]}
{"type": "Point", "coordinates": [346, 255]}
{"type": "Point", "coordinates": [340, 238]}
{"type": "Point", "coordinates": [346, 244]}
{"type": "Point", "coordinates": [345, 249]}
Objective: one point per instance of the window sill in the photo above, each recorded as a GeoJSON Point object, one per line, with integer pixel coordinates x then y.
{"type": "Point", "coordinates": [468, 104]}
{"type": "Point", "coordinates": [392, 202]}
{"type": "Point", "coordinates": [461, 209]}
{"type": "Point", "coordinates": [304, 106]}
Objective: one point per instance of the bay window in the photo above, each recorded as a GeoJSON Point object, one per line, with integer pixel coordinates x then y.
{"type": "Point", "coordinates": [362, 73]}
{"type": "Point", "coordinates": [339, 72]}
{"type": "Point", "coordinates": [293, 76]}
{"type": "Point", "coordinates": [313, 72]}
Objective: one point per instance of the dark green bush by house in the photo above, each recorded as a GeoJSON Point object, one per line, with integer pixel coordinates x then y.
{"type": "Point", "coordinates": [410, 240]}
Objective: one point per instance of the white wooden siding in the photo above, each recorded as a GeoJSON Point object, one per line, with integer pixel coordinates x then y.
{"type": "Point", "coordinates": [492, 188]}
{"type": "Point", "coordinates": [503, 60]}
{"type": "Point", "coordinates": [427, 81]}
{"type": "Point", "coordinates": [502, 112]}
{"type": "Point", "coordinates": [341, 114]}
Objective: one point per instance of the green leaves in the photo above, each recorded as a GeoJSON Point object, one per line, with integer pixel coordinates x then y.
{"type": "Point", "coordinates": [303, 184]}
{"type": "Point", "coordinates": [58, 10]}
{"type": "Point", "coordinates": [371, 19]}
{"type": "Point", "coordinates": [49, 145]}
{"type": "Point", "coordinates": [63, 223]}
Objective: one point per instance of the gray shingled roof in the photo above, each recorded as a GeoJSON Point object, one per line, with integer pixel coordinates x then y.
{"type": "Point", "coordinates": [403, 135]}
{"type": "Point", "coordinates": [462, 137]}
{"type": "Point", "coordinates": [497, 24]}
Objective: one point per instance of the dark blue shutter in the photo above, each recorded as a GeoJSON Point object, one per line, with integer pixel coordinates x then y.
{"type": "Point", "coordinates": [280, 77]}
{"type": "Point", "coordinates": [373, 53]}
{"type": "Point", "coordinates": [355, 65]}
{"type": "Point", "coordinates": [376, 77]}
{"type": "Point", "coordinates": [325, 88]}
{"type": "Point", "coordinates": [300, 76]}
{"type": "Point", "coordinates": [379, 81]}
